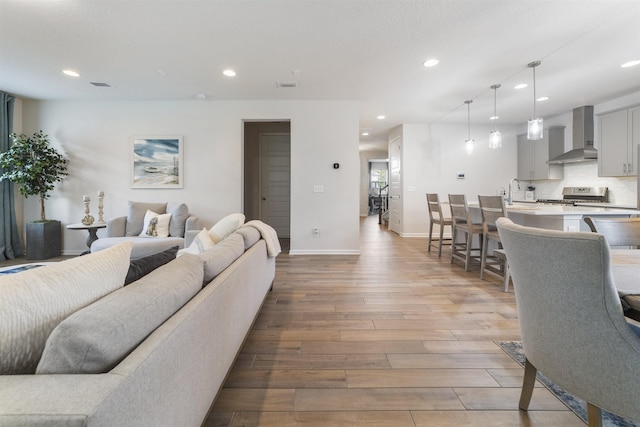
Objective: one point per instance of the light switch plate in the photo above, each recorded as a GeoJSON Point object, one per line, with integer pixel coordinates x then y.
{"type": "Point", "coordinates": [318, 188]}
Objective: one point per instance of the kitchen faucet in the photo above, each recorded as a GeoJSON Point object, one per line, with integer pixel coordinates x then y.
{"type": "Point", "coordinates": [510, 197]}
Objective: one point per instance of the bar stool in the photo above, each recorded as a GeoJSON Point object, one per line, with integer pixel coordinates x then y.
{"type": "Point", "coordinates": [492, 208]}
{"type": "Point", "coordinates": [436, 217]}
{"type": "Point", "coordinates": [462, 222]}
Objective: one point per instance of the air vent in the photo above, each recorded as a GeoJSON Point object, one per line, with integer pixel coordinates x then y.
{"type": "Point", "coordinates": [287, 84]}
{"type": "Point", "coordinates": [100, 84]}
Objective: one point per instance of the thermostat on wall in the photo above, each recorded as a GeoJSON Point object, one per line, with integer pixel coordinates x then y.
{"type": "Point", "coordinates": [460, 175]}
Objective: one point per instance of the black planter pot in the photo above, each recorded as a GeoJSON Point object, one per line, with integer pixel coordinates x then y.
{"type": "Point", "coordinates": [44, 240]}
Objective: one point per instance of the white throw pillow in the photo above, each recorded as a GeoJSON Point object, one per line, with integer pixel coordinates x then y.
{"type": "Point", "coordinates": [226, 226]}
{"type": "Point", "coordinates": [34, 302]}
{"type": "Point", "coordinates": [200, 243]}
{"type": "Point", "coordinates": [155, 225]}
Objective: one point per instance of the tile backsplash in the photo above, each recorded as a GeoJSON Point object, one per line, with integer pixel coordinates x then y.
{"type": "Point", "coordinates": [622, 190]}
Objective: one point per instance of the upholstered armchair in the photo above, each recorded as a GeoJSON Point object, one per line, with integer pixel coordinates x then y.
{"type": "Point", "coordinates": [571, 319]}
{"type": "Point", "coordinates": [177, 227]}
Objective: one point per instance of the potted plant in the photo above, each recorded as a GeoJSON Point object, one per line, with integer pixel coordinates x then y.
{"type": "Point", "coordinates": [36, 167]}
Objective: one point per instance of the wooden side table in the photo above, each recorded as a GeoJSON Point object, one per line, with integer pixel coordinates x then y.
{"type": "Point", "coordinates": [92, 229]}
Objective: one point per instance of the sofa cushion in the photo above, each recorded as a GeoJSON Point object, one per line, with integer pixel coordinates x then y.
{"type": "Point", "coordinates": [179, 214]}
{"type": "Point", "coordinates": [226, 226]}
{"type": "Point", "coordinates": [34, 302]}
{"type": "Point", "coordinates": [136, 213]}
{"type": "Point", "coordinates": [251, 235]}
{"type": "Point", "coordinates": [141, 247]}
{"type": "Point", "coordinates": [220, 256]}
{"type": "Point", "coordinates": [98, 337]}
{"type": "Point", "coordinates": [140, 267]}
{"type": "Point", "coordinates": [155, 225]}
{"type": "Point", "coordinates": [200, 243]}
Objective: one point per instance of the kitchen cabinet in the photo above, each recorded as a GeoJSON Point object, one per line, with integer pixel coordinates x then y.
{"type": "Point", "coordinates": [618, 139]}
{"type": "Point", "coordinates": [533, 155]}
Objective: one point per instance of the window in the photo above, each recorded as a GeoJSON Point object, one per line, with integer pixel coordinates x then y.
{"type": "Point", "coordinates": [377, 174]}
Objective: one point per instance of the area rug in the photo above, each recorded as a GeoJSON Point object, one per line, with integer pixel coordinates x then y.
{"type": "Point", "coordinates": [577, 405]}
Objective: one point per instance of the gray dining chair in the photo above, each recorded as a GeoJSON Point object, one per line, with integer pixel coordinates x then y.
{"type": "Point", "coordinates": [618, 231]}
{"type": "Point", "coordinates": [571, 320]}
{"type": "Point", "coordinates": [436, 217]}
{"type": "Point", "coordinates": [463, 223]}
{"type": "Point", "coordinates": [492, 208]}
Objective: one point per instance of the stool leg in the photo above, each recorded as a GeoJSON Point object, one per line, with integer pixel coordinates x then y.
{"type": "Point", "coordinates": [468, 257]}
{"type": "Point", "coordinates": [441, 238]}
{"type": "Point", "coordinates": [507, 276]}
{"type": "Point", "coordinates": [430, 235]}
{"type": "Point", "coordinates": [483, 257]}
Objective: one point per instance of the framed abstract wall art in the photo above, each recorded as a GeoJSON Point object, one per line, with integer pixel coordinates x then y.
{"type": "Point", "coordinates": [157, 162]}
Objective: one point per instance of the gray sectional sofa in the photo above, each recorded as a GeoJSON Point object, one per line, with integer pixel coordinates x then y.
{"type": "Point", "coordinates": [153, 353]}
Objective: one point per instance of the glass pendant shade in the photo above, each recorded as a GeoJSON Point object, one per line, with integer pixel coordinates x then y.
{"type": "Point", "coordinates": [534, 126]}
{"type": "Point", "coordinates": [534, 129]}
{"type": "Point", "coordinates": [468, 145]}
{"type": "Point", "coordinates": [495, 139]}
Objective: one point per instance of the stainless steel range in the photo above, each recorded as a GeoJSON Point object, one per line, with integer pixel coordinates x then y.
{"type": "Point", "coordinates": [575, 195]}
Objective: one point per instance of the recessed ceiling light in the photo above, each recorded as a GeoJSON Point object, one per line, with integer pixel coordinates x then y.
{"type": "Point", "coordinates": [201, 96]}
{"type": "Point", "coordinates": [520, 86]}
{"type": "Point", "coordinates": [631, 63]}
{"type": "Point", "coordinates": [365, 134]}
{"type": "Point", "coordinates": [542, 98]}
{"type": "Point", "coordinates": [71, 73]}
{"type": "Point", "coordinates": [381, 117]}
{"type": "Point", "coordinates": [229, 73]}
{"type": "Point", "coordinates": [494, 117]}
{"type": "Point", "coordinates": [430, 62]}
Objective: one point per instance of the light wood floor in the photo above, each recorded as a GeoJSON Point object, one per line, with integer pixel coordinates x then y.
{"type": "Point", "coordinates": [393, 337]}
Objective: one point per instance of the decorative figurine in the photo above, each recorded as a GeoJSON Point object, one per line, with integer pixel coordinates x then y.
{"type": "Point", "coordinates": [100, 207]}
{"type": "Point", "coordinates": [88, 219]}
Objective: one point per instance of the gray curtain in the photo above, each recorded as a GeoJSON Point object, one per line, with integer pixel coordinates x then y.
{"type": "Point", "coordinates": [10, 246]}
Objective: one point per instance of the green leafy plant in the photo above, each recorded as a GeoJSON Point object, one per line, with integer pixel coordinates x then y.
{"type": "Point", "coordinates": [33, 164]}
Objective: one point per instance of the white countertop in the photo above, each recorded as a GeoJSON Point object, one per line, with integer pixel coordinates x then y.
{"type": "Point", "coordinates": [563, 210]}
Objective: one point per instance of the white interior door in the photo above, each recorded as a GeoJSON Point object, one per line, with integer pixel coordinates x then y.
{"type": "Point", "coordinates": [275, 181]}
{"type": "Point", "coordinates": [395, 187]}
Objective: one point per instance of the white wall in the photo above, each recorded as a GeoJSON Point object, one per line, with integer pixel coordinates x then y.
{"type": "Point", "coordinates": [433, 155]}
{"type": "Point", "coordinates": [96, 137]}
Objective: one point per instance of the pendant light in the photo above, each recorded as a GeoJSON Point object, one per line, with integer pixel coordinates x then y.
{"type": "Point", "coordinates": [534, 126]}
{"type": "Point", "coordinates": [469, 143]}
{"type": "Point", "coordinates": [495, 137]}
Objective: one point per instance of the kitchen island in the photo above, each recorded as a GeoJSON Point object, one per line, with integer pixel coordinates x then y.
{"type": "Point", "coordinates": [562, 217]}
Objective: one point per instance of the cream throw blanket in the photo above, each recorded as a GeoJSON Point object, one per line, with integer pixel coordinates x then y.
{"type": "Point", "coordinates": [268, 234]}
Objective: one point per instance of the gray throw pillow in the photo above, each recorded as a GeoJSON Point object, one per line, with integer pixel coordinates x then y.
{"type": "Point", "coordinates": [140, 267]}
{"type": "Point", "coordinates": [179, 214]}
{"type": "Point", "coordinates": [135, 215]}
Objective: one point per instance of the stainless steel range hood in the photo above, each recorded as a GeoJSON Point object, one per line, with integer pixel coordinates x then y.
{"type": "Point", "coordinates": [583, 150]}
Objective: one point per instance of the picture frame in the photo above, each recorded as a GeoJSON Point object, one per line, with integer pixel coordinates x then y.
{"type": "Point", "coordinates": [157, 162]}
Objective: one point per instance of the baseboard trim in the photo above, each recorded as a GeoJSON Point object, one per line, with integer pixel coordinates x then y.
{"type": "Point", "coordinates": [414, 235]}
{"type": "Point", "coordinates": [325, 252]}
{"type": "Point", "coordinates": [73, 252]}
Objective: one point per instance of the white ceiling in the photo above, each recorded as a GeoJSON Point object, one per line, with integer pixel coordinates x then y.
{"type": "Point", "coordinates": [366, 50]}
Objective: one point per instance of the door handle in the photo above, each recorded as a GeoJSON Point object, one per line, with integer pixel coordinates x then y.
{"type": "Point", "coordinates": [264, 198]}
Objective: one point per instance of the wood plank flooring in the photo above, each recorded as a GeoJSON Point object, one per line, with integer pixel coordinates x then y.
{"type": "Point", "coordinates": [393, 337]}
